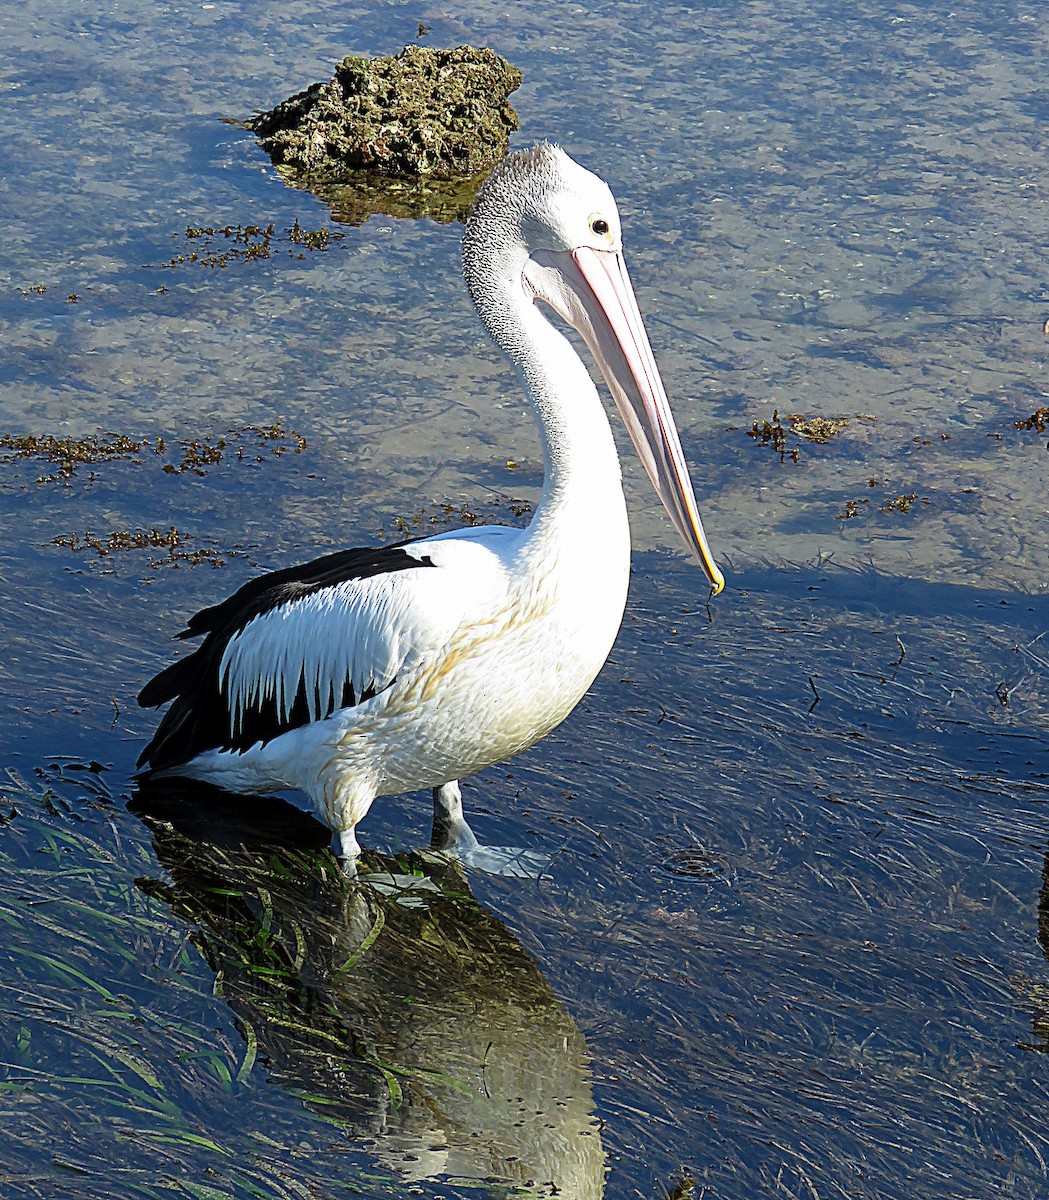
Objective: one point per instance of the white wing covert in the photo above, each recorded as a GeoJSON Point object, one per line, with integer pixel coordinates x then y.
{"type": "Point", "coordinates": [292, 647]}
{"type": "Point", "coordinates": [342, 644]}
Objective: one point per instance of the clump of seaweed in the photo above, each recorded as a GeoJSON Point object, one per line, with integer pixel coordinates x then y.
{"type": "Point", "coordinates": [200, 453]}
{"type": "Point", "coordinates": [813, 429]}
{"type": "Point", "coordinates": [275, 439]}
{"type": "Point", "coordinates": [170, 540]}
{"type": "Point", "coordinates": [69, 453]}
{"type": "Point", "coordinates": [458, 515]}
{"type": "Point", "coordinates": [816, 429]}
{"type": "Point", "coordinates": [902, 503]}
{"type": "Point", "coordinates": [195, 455]}
{"type": "Point", "coordinates": [219, 246]}
{"type": "Point", "coordinates": [1038, 420]}
{"type": "Point", "coordinates": [684, 1188]}
{"type": "Point", "coordinates": [773, 433]}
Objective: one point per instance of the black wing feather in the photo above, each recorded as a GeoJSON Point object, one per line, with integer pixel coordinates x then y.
{"type": "Point", "coordinates": [198, 719]}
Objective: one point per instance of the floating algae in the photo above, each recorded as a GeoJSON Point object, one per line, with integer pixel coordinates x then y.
{"type": "Point", "coordinates": [412, 135]}
{"type": "Point", "coordinates": [195, 455]}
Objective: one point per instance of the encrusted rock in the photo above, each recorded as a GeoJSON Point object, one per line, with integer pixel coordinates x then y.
{"type": "Point", "coordinates": [426, 113]}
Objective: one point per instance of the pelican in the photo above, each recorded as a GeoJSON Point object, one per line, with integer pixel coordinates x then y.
{"type": "Point", "coordinates": [373, 672]}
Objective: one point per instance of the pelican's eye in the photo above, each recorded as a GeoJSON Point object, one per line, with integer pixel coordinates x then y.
{"type": "Point", "coordinates": [599, 226]}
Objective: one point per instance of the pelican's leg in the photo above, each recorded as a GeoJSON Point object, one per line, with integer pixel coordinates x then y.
{"type": "Point", "coordinates": [450, 830]}
{"type": "Point", "coordinates": [342, 803]}
{"type": "Point", "coordinates": [347, 851]}
{"type": "Point", "coordinates": [344, 843]}
{"type": "Point", "coordinates": [452, 835]}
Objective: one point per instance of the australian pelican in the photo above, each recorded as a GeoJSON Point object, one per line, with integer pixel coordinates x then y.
{"type": "Point", "coordinates": [372, 672]}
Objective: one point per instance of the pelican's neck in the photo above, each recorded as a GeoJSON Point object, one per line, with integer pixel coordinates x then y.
{"type": "Point", "coordinates": [582, 493]}
{"type": "Point", "coordinates": [582, 484]}
{"type": "Point", "coordinates": [579, 452]}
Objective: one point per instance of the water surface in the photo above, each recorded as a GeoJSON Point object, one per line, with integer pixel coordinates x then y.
{"type": "Point", "coordinates": [792, 939]}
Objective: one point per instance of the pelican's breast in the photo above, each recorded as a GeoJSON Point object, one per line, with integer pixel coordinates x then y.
{"type": "Point", "coordinates": [532, 639]}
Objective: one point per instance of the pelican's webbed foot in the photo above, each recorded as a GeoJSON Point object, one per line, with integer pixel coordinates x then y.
{"type": "Point", "coordinates": [451, 835]}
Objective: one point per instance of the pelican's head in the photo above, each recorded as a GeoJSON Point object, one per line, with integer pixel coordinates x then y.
{"type": "Point", "coordinates": [546, 225]}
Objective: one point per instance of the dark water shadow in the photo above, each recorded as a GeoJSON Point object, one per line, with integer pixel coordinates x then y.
{"type": "Point", "coordinates": [393, 1005]}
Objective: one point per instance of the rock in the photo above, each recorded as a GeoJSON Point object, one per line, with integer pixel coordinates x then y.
{"type": "Point", "coordinates": [426, 113]}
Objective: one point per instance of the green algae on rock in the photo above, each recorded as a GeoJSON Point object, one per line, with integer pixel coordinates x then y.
{"type": "Point", "coordinates": [426, 113]}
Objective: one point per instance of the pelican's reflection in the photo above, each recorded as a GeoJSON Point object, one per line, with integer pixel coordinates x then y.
{"type": "Point", "coordinates": [392, 1003]}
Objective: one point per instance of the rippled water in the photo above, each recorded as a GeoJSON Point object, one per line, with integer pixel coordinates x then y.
{"type": "Point", "coordinates": [793, 937]}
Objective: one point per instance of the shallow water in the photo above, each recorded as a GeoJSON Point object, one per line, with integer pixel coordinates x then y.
{"type": "Point", "coordinates": [793, 937]}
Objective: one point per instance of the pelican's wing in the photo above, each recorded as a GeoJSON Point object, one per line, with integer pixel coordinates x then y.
{"type": "Point", "coordinates": [294, 646]}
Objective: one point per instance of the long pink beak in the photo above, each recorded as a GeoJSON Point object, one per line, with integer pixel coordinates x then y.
{"type": "Point", "coordinates": [610, 324]}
